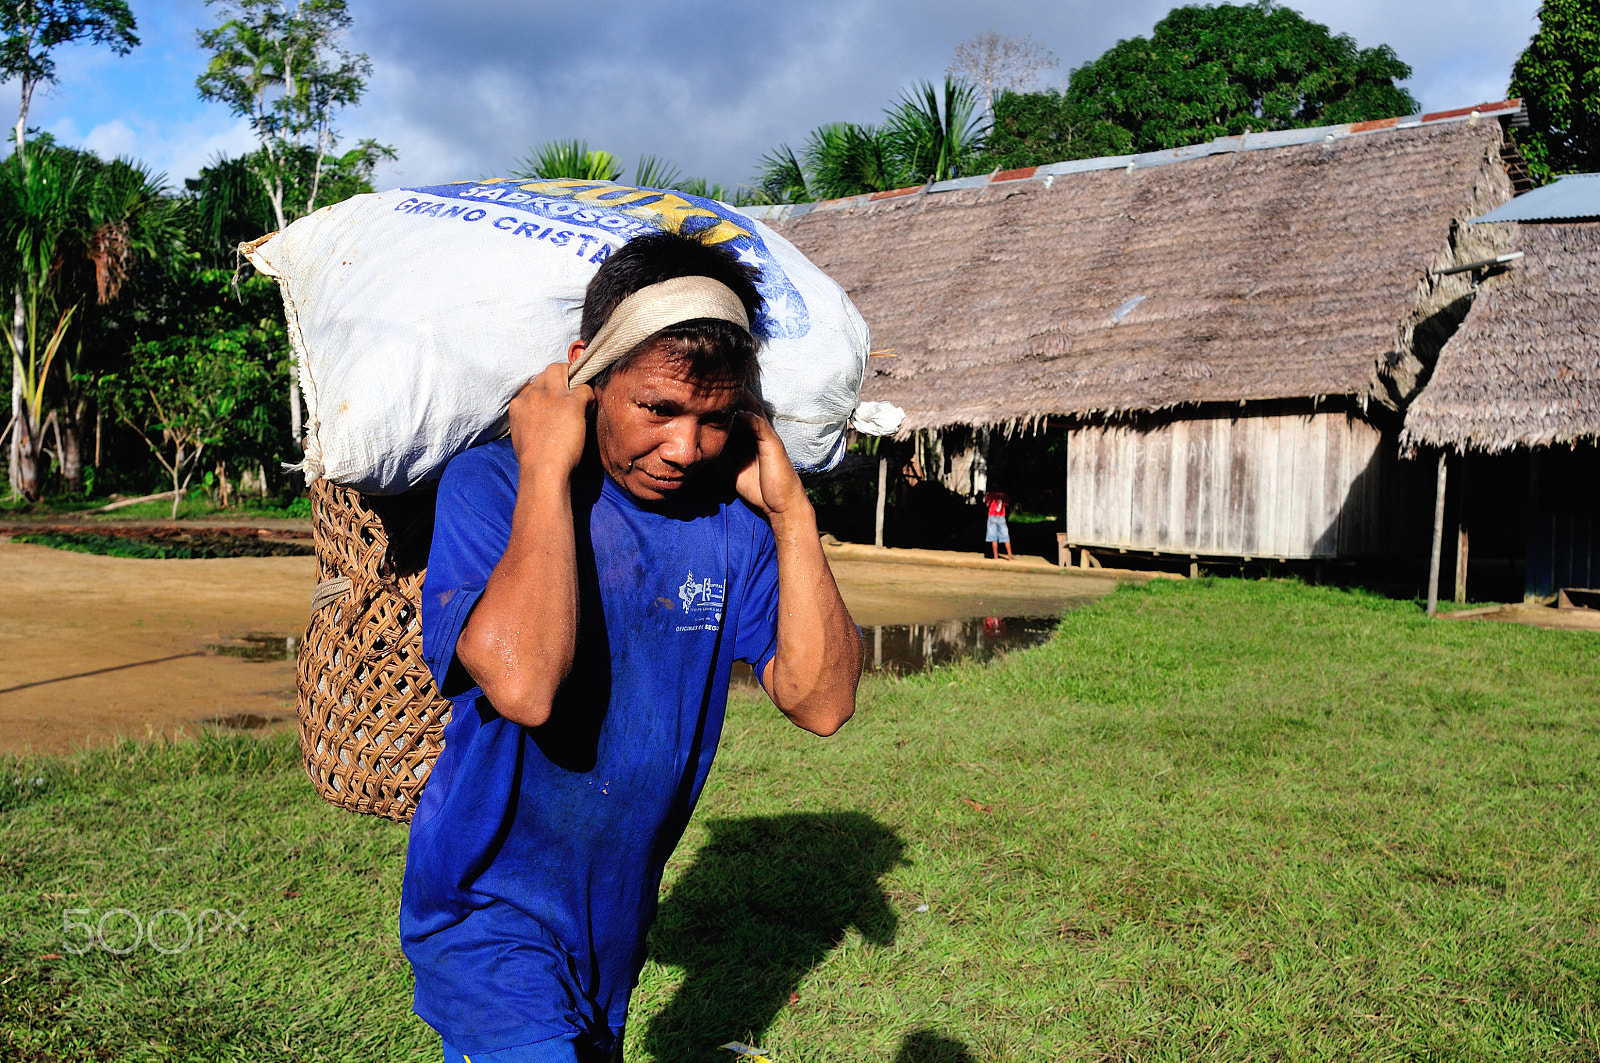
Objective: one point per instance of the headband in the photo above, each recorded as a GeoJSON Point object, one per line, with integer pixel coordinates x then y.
{"type": "Point", "coordinates": [648, 311]}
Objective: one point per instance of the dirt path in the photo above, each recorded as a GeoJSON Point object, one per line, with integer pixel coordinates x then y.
{"type": "Point", "coordinates": [97, 647]}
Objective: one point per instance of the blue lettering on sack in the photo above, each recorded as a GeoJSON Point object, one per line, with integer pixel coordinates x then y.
{"type": "Point", "coordinates": [615, 214]}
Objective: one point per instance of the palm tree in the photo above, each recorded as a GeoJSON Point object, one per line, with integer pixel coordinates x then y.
{"type": "Point", "coordinates": [73, 226]}
{"type": "Point", "coordinates": [42, 203]}
{"type": "Point", "coordinates": [569, 159]}
{"type": "Point", "coordinates": [128, 218]}
{"type": "Point", "coordinates": [781, 178]}
{"type": "Point", "coordinates": [930, 134]}
{"type": "Point", "coordinates": [936, 135]}
{"type": "Point", "coordinates": [229, 206]}
{"type": "Point", "coordinates": [846, 159]}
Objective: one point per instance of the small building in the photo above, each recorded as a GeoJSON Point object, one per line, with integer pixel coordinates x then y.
{"type": "Point", "coordinates": [1515, 400]}
{"type": "Point", "coordinates": [1228, 333]}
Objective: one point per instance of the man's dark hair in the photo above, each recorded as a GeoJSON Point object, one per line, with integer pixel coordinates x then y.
{"type": "Point", "coordinates": [714, 349]}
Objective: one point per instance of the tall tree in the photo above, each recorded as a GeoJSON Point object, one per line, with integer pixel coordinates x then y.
{"type": "Point", "coordinates": [279, 64]}
{"type": "Point", "coordinates": [1558, 76]}
{"type": "Point", "coordinates": [1212, 71]}
{"type": "Point", "coordinates": [128, 220]}
{"type": "Point", "coordinates": [30, 30]}
{"type": "Point", "coordinates": [995, 63]}
{"type": "Point", "coordinates": [1034, 128]}
{"type": "Point", "coordinates": [43, 193]}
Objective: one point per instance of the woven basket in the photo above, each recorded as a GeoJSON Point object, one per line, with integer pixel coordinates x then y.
{"type": "Point", "coordinates": [371, 719]}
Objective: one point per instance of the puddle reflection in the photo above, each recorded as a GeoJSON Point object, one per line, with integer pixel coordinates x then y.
{"type": "Point", "coordinates": [906, 648]}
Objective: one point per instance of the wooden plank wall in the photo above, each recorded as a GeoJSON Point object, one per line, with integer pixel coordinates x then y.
{"type": "Point", "coordinates": [1262, 481]}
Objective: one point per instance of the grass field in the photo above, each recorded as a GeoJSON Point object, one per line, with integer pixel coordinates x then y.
{"type": "Point", "coordinates": [1215, 820]}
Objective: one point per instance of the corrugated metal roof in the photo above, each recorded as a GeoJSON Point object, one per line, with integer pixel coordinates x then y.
{"type": "Point", "coordinates": [1576, 195]}
{"type": "Point", "coordinates": [1264, 141]}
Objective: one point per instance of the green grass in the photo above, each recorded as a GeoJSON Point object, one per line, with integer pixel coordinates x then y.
{"type": "Point", "coordinates": [1212, 820]}
{"type": "Point", "coordinates": [194, 507]}
{"type": "Point", "coordinates": [162, 549]}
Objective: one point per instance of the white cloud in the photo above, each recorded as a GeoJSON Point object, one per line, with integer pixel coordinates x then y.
{"type": "Point", "coordinates": [177, 148]}
{"type": "Point", "coordinates": [710, 85]}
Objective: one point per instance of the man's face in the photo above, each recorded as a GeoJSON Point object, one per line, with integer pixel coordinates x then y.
{"type": "Point", "coordinates": [656, 426]}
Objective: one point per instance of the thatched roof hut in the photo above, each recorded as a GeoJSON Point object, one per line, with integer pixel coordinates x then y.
{"type": "Point", "coordinates": [1223, 329]}
{"type": "Point", "coordinates": [1524, 368]}
{"type": "Point", "coordinates": [1232, 272]}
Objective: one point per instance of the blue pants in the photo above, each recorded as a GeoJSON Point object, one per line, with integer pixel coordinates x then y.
{"type": "Point", "coordinates": [997, 531]}
{"type": "Point", "coordinates": [580, 1048]}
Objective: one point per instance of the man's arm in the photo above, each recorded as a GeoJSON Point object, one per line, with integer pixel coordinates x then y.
{"type": "Point", "coordinates": [519, 641]}
{"type": "Point", "coordinates": [813, 676]}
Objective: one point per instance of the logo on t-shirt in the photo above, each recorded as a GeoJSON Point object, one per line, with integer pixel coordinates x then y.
{"type": "Point", "coordinates": [702, 604]}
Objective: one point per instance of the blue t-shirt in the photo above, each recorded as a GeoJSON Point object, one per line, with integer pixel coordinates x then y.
{"type": "Point", "coordinates": [536, 854]}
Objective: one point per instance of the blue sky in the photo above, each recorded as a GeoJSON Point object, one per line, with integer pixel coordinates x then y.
{"type": "Point", "coordinates": [463, 89]}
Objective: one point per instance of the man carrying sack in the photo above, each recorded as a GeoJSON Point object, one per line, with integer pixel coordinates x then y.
{"type": "Point", "coordinates": [590, 584]}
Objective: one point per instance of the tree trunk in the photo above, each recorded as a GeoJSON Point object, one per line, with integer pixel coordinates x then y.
{"type": "Point", "coordinates": [13, 448]}
{"type": "Point", "coordinates": [295, 418]}
{"type": "Point", "coordinates": [30, 441]}
{"type": "Point", "coordinates": [71, 429]}
{"type": "Point", "coordinates": [19, 337]}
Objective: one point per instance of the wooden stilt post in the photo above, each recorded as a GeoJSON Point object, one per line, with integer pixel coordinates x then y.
{"type": "Point", "coordinates": [883, 489]}
{"type": "Point", "coordinates": [1462, 476]}
{"type": "Point", "coordinates": [1438, 537]}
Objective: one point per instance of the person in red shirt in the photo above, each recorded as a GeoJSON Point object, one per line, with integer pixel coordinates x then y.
{"type": "Point", "coordinates": [998, 532]}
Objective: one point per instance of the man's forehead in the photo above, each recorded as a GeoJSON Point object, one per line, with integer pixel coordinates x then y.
{"type": "Point", "coordinates": [665, 377]}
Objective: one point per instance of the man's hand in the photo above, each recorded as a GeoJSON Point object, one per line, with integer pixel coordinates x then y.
{"type": "Point", "coordinates": [550, 422]}
{"type": "Point", "coordinates": [768, 481]}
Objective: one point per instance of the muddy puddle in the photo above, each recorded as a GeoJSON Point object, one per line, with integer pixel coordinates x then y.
{"type": "Point", "coordinates": [258, 646]}
{"type": "Point", "coordinates": [906, 648]}
{"type": "Point", "coordinates": [902, 649]}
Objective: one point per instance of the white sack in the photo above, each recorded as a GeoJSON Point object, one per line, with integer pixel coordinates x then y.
{"type": "Point", "coordinates": [417, 315]}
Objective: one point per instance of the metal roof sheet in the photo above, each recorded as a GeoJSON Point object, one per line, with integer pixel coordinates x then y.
{"type": "Point", "coordinates": [1576, 195]}
{"type": "Point", "coordinates": [1264, 141]}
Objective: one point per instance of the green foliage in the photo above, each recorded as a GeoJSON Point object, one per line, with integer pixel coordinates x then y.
{"type": "Point", "coordinates": [1215, 820]}
{"type": "Point", "coordinates": [653, 172]}
{"type": "Point", "coordinates": [31, 29]}
{"type": "Point", "coordinates": [930, 134]}
{"type": "Point", "coordinates": [781, 178]}
{"type": "Point", "coordinates": [162, 549]}
{"type": "Point", "coordinates": [570, 159]}
{"type": "Point", "coordinates": [279, 64]}
{"type": "Point", "coordinates": [935, 134]}
{"type": "Point", "coordinates": [1035, 128]}
{"type": "Point", "coordinates": [1558, 78]}
{"type": "Point", "coordinates": [846, 159]}
{"type": "Point", "coordinates": [231, 206]}
{"type": "Point", "coordinates": [1207, 71]}
{"type": "Point", "coordinates": [206, 383]}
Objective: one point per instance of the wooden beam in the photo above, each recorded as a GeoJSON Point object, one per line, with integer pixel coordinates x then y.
{"type": "Point", "coordinates": [1463, 487]}
{"type": "Point", "coordinates": [883, 488]}
{"type": "Point", "coordinates": [1438, 537]}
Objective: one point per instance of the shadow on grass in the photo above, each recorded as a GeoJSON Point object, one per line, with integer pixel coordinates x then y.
{"type": "Point", "coordinates": [925, 1046]}
{"type": "Point", "coordinates": [765, 901]}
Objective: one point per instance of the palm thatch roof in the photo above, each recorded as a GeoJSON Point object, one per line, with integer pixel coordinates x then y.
{"type": "Point", "coordinates": [1231, 276]}
{"type": "Point", "coordinates": [1524, 369]}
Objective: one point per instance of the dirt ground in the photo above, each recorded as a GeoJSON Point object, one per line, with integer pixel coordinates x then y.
{"type": "Point", "coordinates": [99, 647]}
